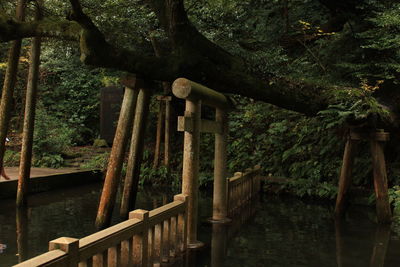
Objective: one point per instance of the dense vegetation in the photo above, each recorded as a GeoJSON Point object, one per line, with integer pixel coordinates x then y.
{"type": "Point", "coordinates": [338, 61]}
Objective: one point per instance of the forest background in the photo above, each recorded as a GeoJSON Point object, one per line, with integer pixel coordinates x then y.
{"type": "Point", "coordinates": [296, 39]}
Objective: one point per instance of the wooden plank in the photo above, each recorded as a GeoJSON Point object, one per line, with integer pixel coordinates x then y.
{"type": "Point", "coordinates": [185, 124]}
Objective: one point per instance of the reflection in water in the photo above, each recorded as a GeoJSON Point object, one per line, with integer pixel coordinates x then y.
{"type": "Point", "coordinates": [378, 252]}
{"type": "Point", "coordinates": [382, 237]}
{"type": "Point", "coordinates": [22, 233]}
{"type": "Point", "coordinates": [218, 244]}
{"type": "Point", "coordinates": [282, 232]}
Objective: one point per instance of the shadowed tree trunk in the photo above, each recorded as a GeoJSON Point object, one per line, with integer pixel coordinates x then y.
{"type": "Point", "coordinates": [29, 120]}
{"type": "Point", "coordinates": [9, 83]}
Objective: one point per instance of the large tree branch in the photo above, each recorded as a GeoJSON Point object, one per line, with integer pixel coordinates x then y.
{"type": "Point", "coordinates": [195, 61]}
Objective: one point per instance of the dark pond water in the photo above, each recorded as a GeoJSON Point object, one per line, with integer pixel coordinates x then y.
{"type": "Point", "coordinates": [270, 232]}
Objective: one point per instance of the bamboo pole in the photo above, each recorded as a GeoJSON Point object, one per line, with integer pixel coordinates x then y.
{"type": "Point", "coordinates": [135, 154]}
{"type": "Point", "coordinates": [112, 178]}
{"type": "Point", "coordinates": [9, 83]}
{"type": "Point", "coordinates": [29, 119]}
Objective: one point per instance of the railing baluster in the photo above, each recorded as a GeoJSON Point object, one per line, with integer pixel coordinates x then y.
{"type": "Point", "coordinates": [166, 239]}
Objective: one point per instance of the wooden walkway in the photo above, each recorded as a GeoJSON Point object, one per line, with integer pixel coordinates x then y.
{"type": "Point", "coordinates": [45, 179]}
{"type": "Point", "coordinates": [12, 172]}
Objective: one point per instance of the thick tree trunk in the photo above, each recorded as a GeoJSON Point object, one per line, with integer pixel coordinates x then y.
{"type": "Point", "coordinates": [9, 83]}
{"type": "Point", "coordinates": [198, 59]}
{"type": "Point", "coordinates": [29, 121]}
{"type": "Point", "coordinates": [135, 153]}
{"type": "Point", "coordinates": [114, 167]}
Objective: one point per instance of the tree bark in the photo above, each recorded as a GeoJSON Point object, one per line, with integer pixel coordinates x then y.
{"type": "Point", "coordinates": [135, 154]}
{"type": "Point", "coordinates": [29, 120]}
{"type": "Point", "coordinates": [9, 83]}
{"type": "Point", "coordinates": [196, 58]}
{"type": "Point", "coordinates": [114, 167]}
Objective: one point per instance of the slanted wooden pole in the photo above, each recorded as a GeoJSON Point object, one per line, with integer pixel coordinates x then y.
{"type": "Point", "coordinates": [383, 210]}
{"type": "Point", "coordinates": [29, 119]}
{"type": "Point", "coordinates": [158, 134]}
{"type": "Point", "coordinates": [167, 128]}
{"type": "Point", "coordinates": [9, 83]}
{"type": "Point", "coordinates": [190, 173]}
{"type": "Point", "coordinates": [116, 160]}
{"type": "Point", "coordinates": [135, 154]}
{"type": "Point", "coordinates": [220, 206]}
{"type": "Point", "coordinates": [345, 175]}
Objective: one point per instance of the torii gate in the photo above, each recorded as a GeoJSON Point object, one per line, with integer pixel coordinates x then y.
{"type": "Point", "coordinates": [192, 124]}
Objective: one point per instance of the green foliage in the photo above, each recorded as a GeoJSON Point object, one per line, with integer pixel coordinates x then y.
{"type": "Point", "coordinates": [51, 139]}
{"type": "Point", "coordinates": [156, 177]}
{"type": "Point", "coordinates": [11, 158]}
{"type": "Point", "coordinates": [98, 162]}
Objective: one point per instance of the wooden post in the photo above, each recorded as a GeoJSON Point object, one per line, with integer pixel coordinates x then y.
{"type": "Point", "coordinates": [345, 175]}
{"type": "Point", "coordinates": [112, 178]}
{"type": "Point", "coordinates": [29, 120]}
{"type": "Point", "coordinates": [383, 210]}
{"type": "Point", "coordinates": [158, 134]}
{"type": "Point", "coordinates": [220, 206]}
{"type": "Point", "coordinates": [181, 223]}
{"type": "Point", "coordinates": [9, 82]}
{"type": "Point", "coordinates": [135, 154]}
{"type": "Point", "coordinates": [167, 131]}
{"type": "Point", "coordinates": [140, 253]}
{"type": "Point", "coordinates": [68, 245]}
{"type": "Point", "coordinates": [190, 173]}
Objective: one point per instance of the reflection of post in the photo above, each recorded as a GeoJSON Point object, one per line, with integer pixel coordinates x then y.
{"type": "Point", "coordinates": [218, 244]}
{"type": "Point", "coordinates": [190, 175]}
{"type": "Point", "coordinates": [339, 243]}
{"type": "Point", "coordinates": [22, 233]}
{"type": "Point", "coordinates": [382, 237]}
{"type": "Point", "coordinates": [220, 207]}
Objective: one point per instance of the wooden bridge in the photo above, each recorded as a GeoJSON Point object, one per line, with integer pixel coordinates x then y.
{"type": "Point", "coordinates": [150, 238]}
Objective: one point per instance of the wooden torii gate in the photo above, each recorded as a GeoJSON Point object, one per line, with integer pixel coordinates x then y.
{"type": "Point", "coordinates": [191, 123]}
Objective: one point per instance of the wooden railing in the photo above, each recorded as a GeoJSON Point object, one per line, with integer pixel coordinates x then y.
{"type": "Point", "coordinates": [145, 239]}
{"type": "Point", "coordinates": [242, 187]}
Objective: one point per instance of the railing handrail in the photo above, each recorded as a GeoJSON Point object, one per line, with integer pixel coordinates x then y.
{"type": "Point", "coordinates": [54, 256]}
{"type": "Point", "coordinates": [110, 237]}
